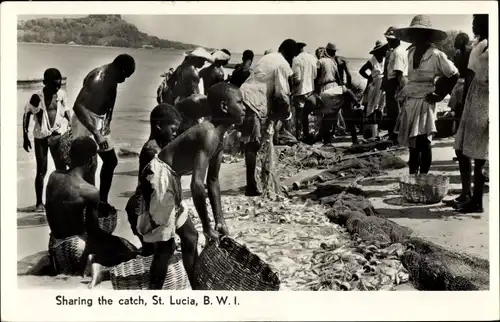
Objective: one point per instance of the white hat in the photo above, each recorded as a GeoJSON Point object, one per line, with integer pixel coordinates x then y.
{"type": "Point", "coordinates": [199, 52]}
{"type": "Point", "coordinates": [220, 55]}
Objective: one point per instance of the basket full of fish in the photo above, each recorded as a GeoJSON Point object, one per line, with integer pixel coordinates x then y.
{"type": "Point", "coordinates": [229, 266]}
{"type": "Point", "coordinates": [424, 188]}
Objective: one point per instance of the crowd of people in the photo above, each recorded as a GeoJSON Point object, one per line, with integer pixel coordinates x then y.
{"type": "Point", "coordinates": [280, 91]}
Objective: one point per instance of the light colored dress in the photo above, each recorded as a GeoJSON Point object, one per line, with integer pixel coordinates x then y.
{"type": "Point", "coordinates": [375, 96]}
{"type": "Point", "coordinates": [472, 137]}
{"type": "Point", "coordinates": [417, 117]}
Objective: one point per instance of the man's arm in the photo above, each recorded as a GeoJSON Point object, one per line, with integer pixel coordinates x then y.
{"type": "Point", "coordinates": [93, 200]}
{"type": "Point", "coordinates": [213, 188]}
{"type": "Point", "coordinates": [200, 167]}
{"type": "Point", "coordinates": [348, 76]}
{"type": "Point", "coordinates": [367, 66]}
{"type": "Point", "coordinates": [281, 93]}
{"type": "Point", "coordinates": [67, 112]}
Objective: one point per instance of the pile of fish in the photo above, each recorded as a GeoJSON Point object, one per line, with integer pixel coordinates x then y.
{"type": "Point", "coordinates": [357, 266]}
{"type": "Point", "coordinates": [308, 251]}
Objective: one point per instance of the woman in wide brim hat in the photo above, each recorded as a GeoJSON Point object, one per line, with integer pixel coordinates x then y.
{"type": "Point", "coordinates": [420, 27]}
{"type": "Point", "coordinates": [416, 122]}
{"type": "Point", "coordinates": [373, 97]}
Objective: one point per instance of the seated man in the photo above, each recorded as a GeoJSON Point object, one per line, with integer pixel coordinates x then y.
{"type": "Point", "coordinates": [165, 121]}
{"type": "Point", "coordinates": [198, 151]}
{"type": "Point", "coordinates": [72, 207]}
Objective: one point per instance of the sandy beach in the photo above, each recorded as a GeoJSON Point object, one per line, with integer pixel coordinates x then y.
{"type": "Point", "coordinates": [437, 223]}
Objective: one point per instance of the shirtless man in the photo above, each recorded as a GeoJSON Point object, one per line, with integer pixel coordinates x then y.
{"type": "Point", "coordinates": [198, 152]}
{"type": "Point", "coordinates": [242, 71]}
{"type": "Point", "coordinates": [165, 121]}
{"type": "Point", "coordinates": [50, 108]}
{"type": "Point", "coordinates": [93, 111]}
{"type": "Point", "coordinates": [214, 73]}
{"type": "Point", "coordinates": [186, 79]}
{"type": "Point", "coordinates": [72, 210]}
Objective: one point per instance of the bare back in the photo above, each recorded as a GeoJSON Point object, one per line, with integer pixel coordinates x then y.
{"type": "Point", "coordinates": [98, 93]}
{"type": "Point", "coordinates": [67, 198]}
{"type": "Point", "coordinates": [182, 153]}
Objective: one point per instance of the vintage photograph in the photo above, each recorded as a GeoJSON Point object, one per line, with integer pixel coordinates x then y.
{"type": "Point", "coordinates": [253, 152]}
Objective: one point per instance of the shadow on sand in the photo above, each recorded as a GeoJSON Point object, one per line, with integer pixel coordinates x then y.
{"type": "Point", "coordinates": [35, 220]}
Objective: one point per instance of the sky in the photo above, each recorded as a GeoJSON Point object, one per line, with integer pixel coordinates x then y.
{"type": "Point", "coordinates": [354, 35]}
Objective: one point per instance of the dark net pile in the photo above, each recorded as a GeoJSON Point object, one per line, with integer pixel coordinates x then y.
{"type": "Point", "coordinates": [430, 266]}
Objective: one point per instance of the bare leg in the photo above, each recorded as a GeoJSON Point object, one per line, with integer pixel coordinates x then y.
{"type": "Point", "coordinates": [41, 153]}
{"type": "Point", "coordinates": [159, 266]}
{"type": "Point", "coordinates": [109, 163]}
{"type": "Point", "coordinates": [189, 246]}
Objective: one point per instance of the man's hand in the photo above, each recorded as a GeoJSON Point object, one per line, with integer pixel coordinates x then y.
{"type": "Point", "coordinates": [432, 98]}
{"type": "Point", "coordinates": [101, 141]}
{"type": "Point", "coordinates": [26, 143]}
{"type": "Point", "coordinates": [211, 234]}
{"type": "Point", "coordinates": [222, 229]}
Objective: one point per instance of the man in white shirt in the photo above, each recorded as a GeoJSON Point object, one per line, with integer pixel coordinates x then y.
{"type": "Point", "coordinates": [266, 96]}
{"type": "Point", "coordinates": [395, 71]}
{"type": "Point", "coordinates": [305, 69]}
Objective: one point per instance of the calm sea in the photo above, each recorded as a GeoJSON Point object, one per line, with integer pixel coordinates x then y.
{"type": "Point", "coordinates": [136, 97]}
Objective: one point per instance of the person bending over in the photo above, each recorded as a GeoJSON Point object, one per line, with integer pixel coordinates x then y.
{"type": "Point", "coordinates": [196, 152]}
{"type": "Point", "coordinates": [93, 111]}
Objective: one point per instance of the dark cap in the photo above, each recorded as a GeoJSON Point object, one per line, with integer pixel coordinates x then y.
{"type": "Point", "coordinates": [331, 46]}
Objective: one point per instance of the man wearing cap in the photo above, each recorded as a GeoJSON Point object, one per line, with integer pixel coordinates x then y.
{"type": "Point", "coordinates": [266, 96]}
{"type": "Point", "coordinates": [305, 69]}
{"type": "Point", "coordinates": [214, 73]}
{"type": "Point", "coordinates": [242, 70]}
{"type": "Point", "coordinates": [186, 79]}
{"type": "Point", "coordinates": [395, 71]}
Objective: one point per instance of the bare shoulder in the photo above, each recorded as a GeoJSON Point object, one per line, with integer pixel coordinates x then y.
{"type": "Point", "coordinates": [150, 148]}
{"type": "Point", "coordinates": [189, 72]}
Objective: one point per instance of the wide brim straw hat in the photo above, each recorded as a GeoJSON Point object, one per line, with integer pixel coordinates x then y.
{"type": "Point", "coordinates": [220, 55]}
{"type": "Point", "coordinates": [420, 24]}
{"type": "Point", "coordinates": [200, 53]}
{"type": "Point", "coordinates": [378, 46]}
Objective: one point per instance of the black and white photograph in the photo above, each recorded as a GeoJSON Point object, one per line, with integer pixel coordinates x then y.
{"type": "Point", "coordinates": [253, 152]}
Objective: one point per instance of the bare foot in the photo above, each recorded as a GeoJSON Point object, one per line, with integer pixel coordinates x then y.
{"type": "Point", "coordinates": [40, 208]}
{"type": "Point", "coordinates": [97, 273]}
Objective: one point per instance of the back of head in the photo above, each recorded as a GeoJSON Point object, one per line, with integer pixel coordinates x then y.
{"type": "Point", "coordinates": [51, 74]}
{"type": "Point", "coordinates": [82, 150]}
{"type": "Point", "coordinates": [248, 55]}
{"type": "Point", "coordinates": [165, 113]}
{"type": "Point", "coordinates": [288, 48]}
{"type": "Point", "coordinates": [217, 94]}
{"type": "Point", "coordinates": [480, 25]}
{"type": "Point", "coordinates": [126, 63]}
{"type": "Point", "coordinates": [461, 40]}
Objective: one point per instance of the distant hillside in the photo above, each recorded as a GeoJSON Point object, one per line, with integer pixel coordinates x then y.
{"type": "Point", "coordinates": [101, 30]}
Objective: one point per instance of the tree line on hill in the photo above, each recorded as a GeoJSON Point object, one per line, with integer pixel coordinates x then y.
{"type": "Point", "coordinates": [100, 30]}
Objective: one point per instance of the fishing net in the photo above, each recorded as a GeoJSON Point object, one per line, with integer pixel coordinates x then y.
{"type": "Point", "coordinates": [267, 159]}
{"type": "Point", "coordinates": [433, 267]}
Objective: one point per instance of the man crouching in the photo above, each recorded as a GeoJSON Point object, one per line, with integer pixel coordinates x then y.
{"type": "Point", "coordinates": [197, 151]}
{"type": "Point", "coordinates": [72, 207]}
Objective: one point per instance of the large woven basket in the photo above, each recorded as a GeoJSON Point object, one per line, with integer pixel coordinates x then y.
{"type": "Point", "coordinates": [134, 274]}
{"type": "Point", "coordinates": [424, 188]}
{"type": "Point", "coordinates": [65, 146]}
{"type": "Point", "coordinates": [230, 266]}
{"type": "Point", "coordinates": [67, 256]}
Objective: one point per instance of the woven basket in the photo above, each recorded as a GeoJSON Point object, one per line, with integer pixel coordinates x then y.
{"type": "Point", "coordinates": [134, 274]}
{"type": "Point", "coordinates": [424, 188]}
{"type": "Point", "coordinates": [65, 146]}
{"type": "Point", "coordinates": [108, 221]}
{"type": "Point", "coordinates": [230, 266]}
{"type": "Point", "coordinates": [67, 256]}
